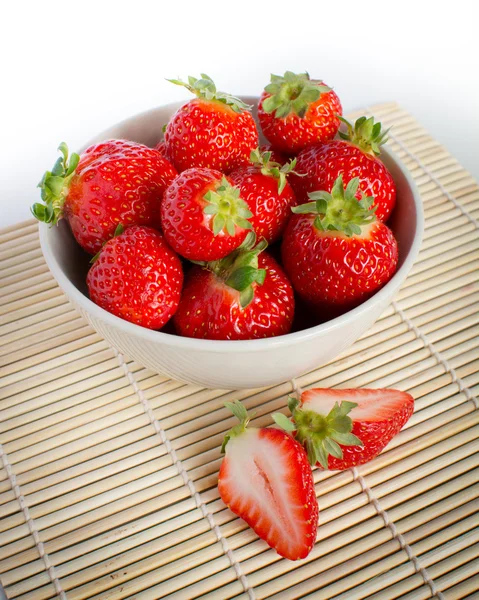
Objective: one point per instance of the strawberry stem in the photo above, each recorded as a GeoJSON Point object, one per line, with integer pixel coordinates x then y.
{"type": "Point", "coordinates": [240, 269]}
{"type": "Point", "coordinates": [365, 133]}
{"type": "Point", "coordinates": [273, 169]}
{"type": "Point", "coordinates": [54, 186]}
{"type": "Point", "coordinates": [339, 210]}
{"type": "Point", "coordinates": [206, 88]}
{"type": "Point", "coordinates": [228, 208]}
{"type": "Point", "coordinates": [292, 93]}
{"type": "Point", "coordinates": [321, 435]}
{"type": "Point", "coordinates": [241, 414]}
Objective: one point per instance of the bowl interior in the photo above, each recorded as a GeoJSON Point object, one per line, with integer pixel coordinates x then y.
{"type": "Point", "coordinates": [146, 128]}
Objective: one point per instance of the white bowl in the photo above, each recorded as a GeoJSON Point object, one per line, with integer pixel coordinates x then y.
{"type": "Point", "coordinates": [231, 364]}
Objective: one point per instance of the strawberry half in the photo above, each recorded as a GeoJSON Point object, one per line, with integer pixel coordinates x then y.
{"type": "Point", "coordinates": [295, 111]}
{"type": "Point", "coordinates": [345, 428]}
{"type": "Point", "coordinates": [241, 297]}
{"type": "Point", "coordinates": [355, 155]}
{"type": "Point", "coordinates": [214, 130]}
{"type": "Point", "coordinates": [203, 216]}
{"type": "Point", "coordinates": [335, 251]}
{"type": "Point", "coordinates": [112, 182]}
{"type": "Point", "coordinates": [265, 479]}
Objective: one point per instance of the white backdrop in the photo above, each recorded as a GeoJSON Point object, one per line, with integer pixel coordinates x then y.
{"type": "Point", "coordinates": [70, 69]}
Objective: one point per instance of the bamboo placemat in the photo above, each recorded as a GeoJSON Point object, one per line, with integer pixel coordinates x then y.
{"type": "Point", "coordinates": [108, 486]}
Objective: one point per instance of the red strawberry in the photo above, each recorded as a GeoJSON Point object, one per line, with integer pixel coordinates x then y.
{"type": "Point", "coordinates": [320, 166]}
{"type": "Point", "coordinates": [276, 156]}
{"type": "Point", "coordinates": [344, 428]}
{"type": "Point", "coordinates": [112, 182]}
{"type": "Point", "coordinates": [295, 111]}
{"type": "Point", "coordinates": [264, 188]}
{"type": "Point", "coordinates": [137, 277]}
{"type": "Point", "coordinates": [266, 480]}
{"type": "Point", "coordinates": [215, 130]}
{"type": "Point", "coordinates": [242, 297]}
{"type": "Point", "coordinates": [335, 251]}
{"type": "Point", "coordinates": [203, 216]}
{"type": "Point", "coordinates": [161, 148]}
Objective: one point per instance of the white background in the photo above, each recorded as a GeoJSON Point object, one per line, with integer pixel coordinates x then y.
{"type": "Point", "coordinates": [71, 69]}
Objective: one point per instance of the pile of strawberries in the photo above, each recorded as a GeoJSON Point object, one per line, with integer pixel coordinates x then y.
{"type": "Point", "coordinates": [222, 236]}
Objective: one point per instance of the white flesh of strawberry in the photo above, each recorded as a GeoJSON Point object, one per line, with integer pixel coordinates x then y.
{"type": "Point", "coordinates": [259, 479]}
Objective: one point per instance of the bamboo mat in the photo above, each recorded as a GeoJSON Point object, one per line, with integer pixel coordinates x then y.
{"type": "Point", "coordinates": [109, 471]}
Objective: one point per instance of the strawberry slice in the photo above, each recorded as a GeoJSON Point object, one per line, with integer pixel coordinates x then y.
{"type": "Point", "coordinates": [344, 428]}
{"type": "Point", "coordinates": [265, 479]}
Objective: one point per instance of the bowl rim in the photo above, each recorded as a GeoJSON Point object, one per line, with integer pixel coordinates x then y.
{"type": "Point", "coordinates": [241, 346]}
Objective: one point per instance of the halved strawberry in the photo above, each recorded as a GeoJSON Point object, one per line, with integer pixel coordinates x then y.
{"type": "Point", "coordinates": [265, 479]}
{"type": "Point", "coordinates": [344, 428]}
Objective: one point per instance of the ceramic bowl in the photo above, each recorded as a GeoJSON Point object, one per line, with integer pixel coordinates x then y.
{"type": "Point", "coordinates": [231, 364]}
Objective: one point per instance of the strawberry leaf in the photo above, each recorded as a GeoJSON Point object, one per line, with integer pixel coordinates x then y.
{"type": "Point", "coordinates": [283, 422]}
{"type": "Point", "coordinates": [339, 210]}
{"type": "Point", "coordinates": [365, 133]}
{"type": "Point", "coordinates": [321, 435]}
{"type": "Point", "coordinates": [292, 94]}
{"type": "Point", "coordinates": [54, 187]}
{"type": "Point", "coordinates": [206, 88]}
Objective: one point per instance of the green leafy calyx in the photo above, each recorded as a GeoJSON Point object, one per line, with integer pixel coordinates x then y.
{"type": "Point", "coordinates": [241, 414]}
{"type": "Point", "coordinates": [54, 187]}
{"type": "Point", "coordinates": [292, 93]}
{"type": "Point", "coordinates": [240, 269]}
{"type": "Point", "coordinates": [321, 435]}
{"type": "Point", "coordinates": [206, 88]}
{"type": "Point", "coordinates": [340, 210]}
{"type": "Point", "coordinates": [228, 208]}
{"type": "Point", "coordinates": [365, 133]}
{"type": "Point", "coordinates": [263, 161]}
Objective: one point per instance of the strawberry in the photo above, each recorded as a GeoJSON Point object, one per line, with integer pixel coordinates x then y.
{"type": "Point", "coordinates": [161, 148]}
{"type": "Point", "coordinates": [214, 130]}
{"type": "Point", "coordinates": [244, 296]}
{"type": "Point", "coordinates": [353, 156]}
{"type": "Point", "coordinates": [137, 277]}
{"type": "Point", "coordinates": [266, 480]}
{"type": "Point", "coordinates": [264, 188]}
{"type": "Point", "coordinates": [276, 156]}
{"type": "Point", "coordinates": [203, 216]}
{"type": "Point", "coordinates": [113, 182]}
{"type": "Point", "coordinates": [295, 111]}
{"type": "Point", "coordinates": [335, 251]}
{"type": "Point", "coordinates": [345, 428]}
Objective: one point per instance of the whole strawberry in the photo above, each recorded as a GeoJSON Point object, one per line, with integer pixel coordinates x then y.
{"type": "Point", "coordinates": [295, 111]}
{"type": "Point", "coordinates": [356, 155]}
{"type": "Point", "coordinates": [266, 480]}
{"type": "Point", "coordinates": [335, 251]}
{"type": "Point", "coordinates": [203, 216]}
{"type": "Point", "coordinates": [341, 429]}
{"type": "Point", "coordinates": [214, 130]}
{"type": "Point", "coordinates": [264, 187]}
{"type": "Point", "coordinates": [113, 182]}
{"type": "Point", "coordinates": [137, 277]}
{"type": "Point", "coordinates": [244, 296]}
